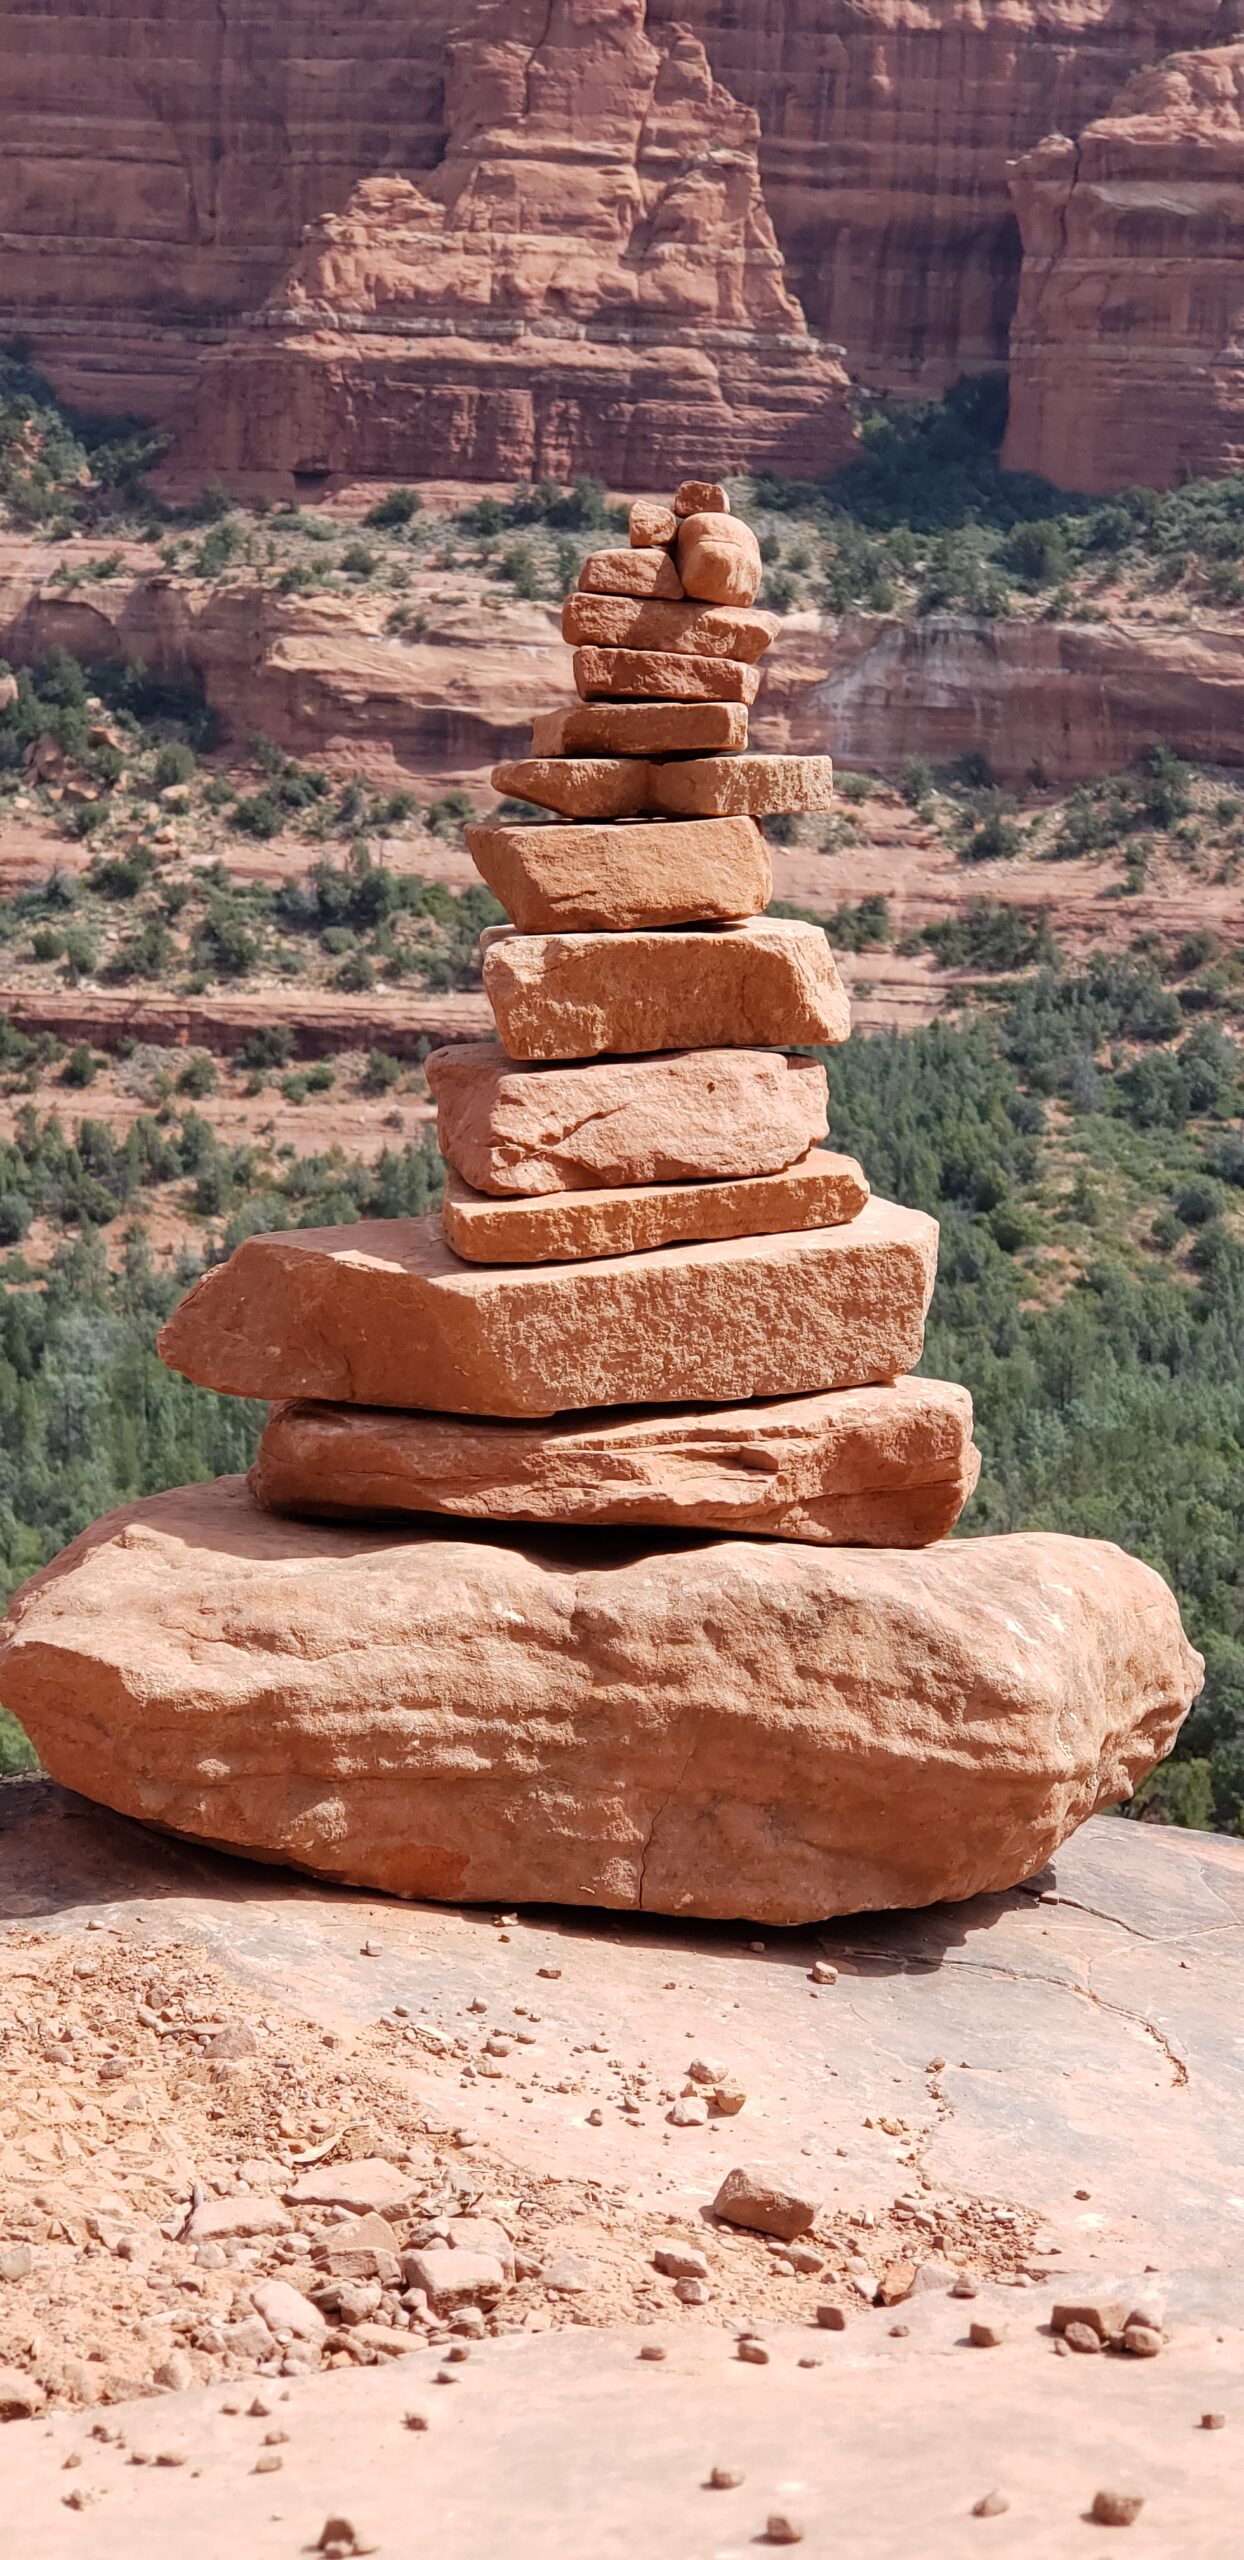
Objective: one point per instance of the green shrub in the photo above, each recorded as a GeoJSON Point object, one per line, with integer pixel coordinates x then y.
{"type": "Point", "coordinates": [394, 510]}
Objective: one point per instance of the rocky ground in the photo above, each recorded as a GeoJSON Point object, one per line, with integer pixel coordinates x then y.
{"type": "Point", "coordinates": [279, 2161]}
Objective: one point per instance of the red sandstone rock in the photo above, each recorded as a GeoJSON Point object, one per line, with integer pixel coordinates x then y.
{"type": "Point", "coordinates": [578, 787]}
{"type": "Point", "coordinates": [752, 786]}
{"type": "Point", "coordinates": [821, 1190]}
{"type": "Point", "coordinates": [388, 1708]}
{"type": "Point", "coordinates": [700, 1114]}
{"type": "Point", "coordinates": [384, 1313]}
{"type": "Point", "coordinates": [637, 572]}
{"type": "Point", "coordinates": [528, 308]}
{"type": "Point", "coordinates": [884, 141]}
{"type": "Point", "coordinates": [720, 556]}
{"type": "Point", "coordinates": [669, 674]}
{"type": "Point", "coordinates": [760, 985]}
{"type": "Point", "coordinates": [1126, 342]}
{"type": "Point", "coordinates": [641, 729]}
{"type": "Point", "coordinates": [872, 1466]}
{"type": "Point", "coordinates": [700, 497]}
{"type": "Point", "coordinates": [617, 879]}
{"type": "Point", "coordinates": [699, 630]}
{"type": "Point", "coordinates": [651, 522]}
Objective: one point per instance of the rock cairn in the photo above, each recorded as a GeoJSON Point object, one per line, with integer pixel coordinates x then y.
{"type": "Point", "coordinates": [653, 1302]}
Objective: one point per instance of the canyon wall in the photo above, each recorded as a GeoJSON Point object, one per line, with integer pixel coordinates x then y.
{"type": "Point", "coordinates": [589, 281]}
{"type": "Point", "coordinates": [1127, 350]}
{"type": "Point", "coordinates": [1062, 700]}
{"type": "Point", "coordinates": [160, 164]}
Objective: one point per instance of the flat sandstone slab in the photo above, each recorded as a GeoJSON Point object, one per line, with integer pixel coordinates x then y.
{"type": "Point", "coordinates": [638, 622]}
{"type": "Point", "coordinates": [669, 674]}
{"type": "Point", "coordinates": [741, 786]}
{"type": "Point", "coordinates": [696, 1115]}
{"type": "Point", "coordinates": [618, 879]}
{"type": "Point", "coordinates": [574, 995]}
{"type": "Point", "coordinates": [641, 571]}
{"type": "Point", "coordinates": [873, 1466]}
{"type": "Point", "coordinates": [641, 729]}
{"type": "Point", "coordinates": [384, 1313]}
{"type": "Point", "coordinates": [821, 1190]}
{"type": "Point", "coordinates": [739, 1729]}
{"type": "Point", "coordinates": [580, 786]}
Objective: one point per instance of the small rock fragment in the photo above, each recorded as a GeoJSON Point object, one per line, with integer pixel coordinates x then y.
{"type": "Point", "coordinates": [750, 2351]}
{"type": "Point", "coordinates": [342, 2540]}
{"type": "Point", "coordinates": [20, 2395]}
{"type": "Point", "coordinates": [821, 1972]}
{"type": "Point", "coordinates": [691, 2289]}
{"type": "Point", "coordinates": [267, 2462]}
{"type": "Point", "coordinates": [1140, 2341]}
{"type": "Point", "coordinates": [680, 2262]}
{"type": "Point", "coordinates": [896, 2282]}
{"type": "Point", "coordinates": [994, 2503]}
{"type": "Point", "coordinates": [757, 2201]}
{"type": "Point", "coordinates": [1115, 2506]}
{"type": "Point", "coordinates": [830, 2315]}
{"type": "Point", "coordinates": [1213, 2418]}
{"type": "Point", "coordinates": [688, 2111]}
{"type": "Point", "coordinates": [16, 2261]}
{"type": "Point", "coordinates": [985, 2333]}
{"type": "Point", "coordinates": [720, 2478]}
{"type": "Point", "coordinates": [729, 2098]}
{"type": "Point", "coordinates": [963, 2290]}
{"type": "Point", "coordinates": [282, 2307]}
{"type": "Point", "coordinates": [1083, 2340]}
{"type": "Point", "coordinates": [784, 2528]}
{"type": "Point", "coordinates": [652, 2355]}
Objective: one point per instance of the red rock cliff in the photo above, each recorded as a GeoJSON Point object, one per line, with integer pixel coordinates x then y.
{"type": "Point", "coordinates": [589, 281]}
{"type": "Point", "coordinates": [160, 163]}
{"type": "Point", "coordinates": [1128, 341]}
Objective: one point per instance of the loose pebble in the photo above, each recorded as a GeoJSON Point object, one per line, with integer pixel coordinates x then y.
{"type": "Point", "coordinates": [784, 2528]}
{"type": "Point", "coordinates": [750, 2351]}
{"type": "Point", "coordinates": [720, 2478]}
{"type": "Point", "coordinates": [823, 1973]}
{"type": "Point", "coordinates": [985, 2333]}
{"type": "Point", "coordinates": [1213, 2418]}
{"type": "Point", "coordinates": [994, 2503]}
{"type": "Point", "coordinates": [1115, 2506]}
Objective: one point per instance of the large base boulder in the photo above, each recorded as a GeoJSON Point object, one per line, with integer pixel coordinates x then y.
{"type": "Point", "coordinates": [720, 1728]}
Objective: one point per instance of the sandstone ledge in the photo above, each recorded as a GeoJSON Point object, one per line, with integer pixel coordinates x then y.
{"type": "Point", "coordinates": [723, 1729]}
{"type": "Point", "coordinates": [870, 1466]}
{"type": "Point", "coordinates": [384, 1313]}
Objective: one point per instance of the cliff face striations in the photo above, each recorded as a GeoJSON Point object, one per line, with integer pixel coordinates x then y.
{"type": "Point", "coordinates": [160, 170]}
{"type": "Point", "coordinates": [886, 128]}
{"type": "Point", "coordinates": [588, 281]}
{"type": "Point", "coordinates": [1128, 341]}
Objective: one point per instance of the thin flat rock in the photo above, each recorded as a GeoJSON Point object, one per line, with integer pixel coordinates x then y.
{"type": "Point", "coordinates": [695, 1115]}
{"type": "Point", "coordinates": [580, 786]}
{"type": "Point", "coordinates": [576, 995]}
{"type": "Point", "coordinates": [641, 729]}
{"type": "Point", "coordinates": [822, 1190]}
{"type": "Point", "coordinates": [639, 622]}
{"type": "Point", "coordinates": [671, 675]}
{"type": "Point", "coordinates": [888, 1466]}
{"type": "Point", "coordinates": [385, 1313]}
{"type": "Point", "coordinates": [741, 786]}
{"type": "Point", "coordinates": [514, 1716]}
{"type": "Point", "coordinates": [619, 879]}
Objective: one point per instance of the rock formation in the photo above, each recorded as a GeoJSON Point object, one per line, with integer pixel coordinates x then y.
{"type": "Point", "coordinates": [589, 280]}
{"type": "Point", "coordinates": [1127, 346]}
{"type": "Point", "coordinates": [159, 168]}
{"type": "Point", "coordinates": [766, 1722]}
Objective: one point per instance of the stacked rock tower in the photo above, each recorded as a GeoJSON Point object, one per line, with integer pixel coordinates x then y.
{"type": "Point", "coordinates": [597, 1547]}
